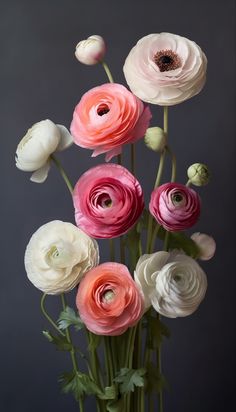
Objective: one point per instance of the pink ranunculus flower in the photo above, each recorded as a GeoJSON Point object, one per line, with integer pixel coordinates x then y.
{"type": "Point", "coordinates": [108, 201]}
{"type": "Point", "coordinates": [108, 300]}
{"type": "Point", "coordinates": [165, 69]}
{"type": "Point", "coordinates": [175, 206]}
{"type": "Point", "coordinates": [107, 117]}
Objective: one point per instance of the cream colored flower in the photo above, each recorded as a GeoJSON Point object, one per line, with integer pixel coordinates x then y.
{"type": "Point", "coordinates": [34, 150]}
{"type": "Point", "coordinates": [58, 255]}
{"type": "Point", "coordinates": [206, 244]}
{"type": "Point", "coordinates": [165, 69]}
{"type": "Point", "coordinates": [91, 50]}
{"type": "Point", "coordinates": [173, 283]}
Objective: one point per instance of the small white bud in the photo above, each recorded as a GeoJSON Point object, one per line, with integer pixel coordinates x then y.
{"type": "Point", "coordinates": [155, 138]}
{"type": "Point", "coordinates": [206, 244]}
{"type": "Point", "coordinates": [91, 50]}
{"type": "Point", "coordinates": [198, 174]}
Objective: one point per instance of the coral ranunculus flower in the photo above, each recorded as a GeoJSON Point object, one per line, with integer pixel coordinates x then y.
{"type": "Point", "coordinates": [108, 300]}
{"type": "Point", "coordinates": [165, 69]}
{"type": "Point", "coordinates": [175, 206]}
{"type": "Point", "coordinates": [107, 117]}
{"type": "Point", "coordinates": [108, 201]}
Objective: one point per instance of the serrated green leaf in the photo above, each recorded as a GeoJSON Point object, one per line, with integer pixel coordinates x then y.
{"type": "Point", "coordinates": [110, 392]}
{"type": "Point", "coordinates": [67, 318]}
{"type": "Point", "coordinates": [180, 241]}
{"type": "Point", "coordinates": [129, 378]}
{"type": "Point", "coordinates": [155, 381]}
{"type": "Point", "coordinates": [59, 341]}
{"type": "Point", "coordinates": [79, 384]}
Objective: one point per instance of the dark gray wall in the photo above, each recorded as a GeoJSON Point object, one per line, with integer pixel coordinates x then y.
{"type": "Point", "coordinates": [40, 78]}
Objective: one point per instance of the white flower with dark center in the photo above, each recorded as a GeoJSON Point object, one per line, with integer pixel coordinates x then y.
{"type": "Point", "coordinates": [165, 69]}
{"type": "Point", "coordinates": [173, 283]}
{"type": "Point", "coordinates": [58, 255]}
{"type": "Point", "coordinates": [35, 148]}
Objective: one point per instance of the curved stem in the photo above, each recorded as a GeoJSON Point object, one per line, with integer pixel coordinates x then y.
{"type": "Point", "coordinates": [108, 72]}
{"type": "Point", "coordinates": [63, 173]}
{"type": "Point", "coordinates": [68, 337]}
{"type": "Point", "coordinates": [188, 183]}
{"type": "Point", "coordinates": [47, 315]}
{"type": "Point", "coordinates": [173, 159]}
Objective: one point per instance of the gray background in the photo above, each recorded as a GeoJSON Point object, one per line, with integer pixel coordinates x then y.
{"type": "Point", "coordinates": [40, 78]}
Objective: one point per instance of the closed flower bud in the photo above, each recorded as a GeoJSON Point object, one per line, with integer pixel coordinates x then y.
{"type": "Point", "coordinates": [155, 139]}
{"type": "Point", "coordinates": [198, 174]}
{"type": "Point", "coordinates": [206, 244]}
{"type": "Point", "coordinates": [91, 50]}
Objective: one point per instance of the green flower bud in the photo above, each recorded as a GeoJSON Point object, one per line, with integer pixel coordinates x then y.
{"type": "Point", "coordinates": [155, 139]}
{"type": "Point", "coordinates": [198, 174]}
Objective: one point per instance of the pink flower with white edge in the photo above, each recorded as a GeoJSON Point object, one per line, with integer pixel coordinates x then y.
{"type": "Point", "coordinates": [108, 117]}
{"type": "Point", "coordinates": [108, 201]}
{"type": "Point", "coordinates": [206, 244]}
{"type": "Point", "coordinates": [175, 206]}
{"type": "Point", "coordinates": [165, 69]}
{"type": "Point", "coordinates": [108, 300]}
{"type": "Point", "coordinates": [90, 51]}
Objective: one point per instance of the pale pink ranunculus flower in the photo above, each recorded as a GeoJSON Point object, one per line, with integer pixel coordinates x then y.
{"type": "Point", "coordinates": [108, 117]}
{"type": "Point", "coordinates": [175, 206]}
{"type": "Point", "coordinates": [108, 300]}
{"type": "Point", "coordinates": [90, 51]}
{"type": "Point", "coordinates": [108, 201]}
{"type": "Point", "coordinates": [165, 69]}
{"type": "Point", "coordinates": [206, 245]}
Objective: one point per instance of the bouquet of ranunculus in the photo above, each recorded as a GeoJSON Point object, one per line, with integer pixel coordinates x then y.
{"type": "Point", "coordinates": [119, 304]}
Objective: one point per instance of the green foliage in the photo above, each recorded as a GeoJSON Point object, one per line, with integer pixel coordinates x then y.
{"type": "Point", "coordinates": [116, 406]}
{"type": "Point", "coordinates": [180, 241]}
{"type": "Point", "coordinates": [59, 341]}
{"type": "Point", "coordinates": [67, 318]}
{"type": "Point", "coordinates": [79, 384]}
{"type": "Point", "coordinates": [155, 381]}
{"type": "Point", "coordinates": [94, 341]}
{"type": "Point", "coordinates": [129, 378]}
{"type": "Point", "coordinates": [109, 393]}
{"type": "Point", "coordinates": [157, 330]}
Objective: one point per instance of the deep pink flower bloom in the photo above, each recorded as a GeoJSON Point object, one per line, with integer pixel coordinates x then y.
{"type": "Point", "coordinates": [175, 206]}
{"type": "Point", "coordinates": [107, 117]}
{"type": "Point", "coordinates": [108, 300]}
{"type": "Point", "coordinates": [108, 201]}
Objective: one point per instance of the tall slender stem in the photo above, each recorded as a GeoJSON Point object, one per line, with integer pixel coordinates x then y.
{"type": "Point", "coordinates": [173, 160]}
{"type": "Point", "coordinates": [72, 351]}
{"type": "Point", "coordinates": [47, 315]}
{"type": "Point", "coordinates": [108, 72]}
{"type": "Point", "coordinates": [63, 173]}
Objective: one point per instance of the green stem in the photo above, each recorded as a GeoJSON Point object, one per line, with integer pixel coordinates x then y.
{"type": "Point", "coordinates": [159, 370]}
{"type": "Point", "coordinates": [81, 405]}
{"type": "Point", "coordinates": [112, 250]}
{"type": "Point", "coordinates": [154, 235]}
{"type": "Point", "coordinates": [188, 183]}
{"type": "Point", "coordinates": [68, 337]}
{"type": "Point", "coordinates": [63, 173]}
{"type": "Point", "coordinates": [108, 72]}
{"type": "Point", "coordinates": [173, 160]}
{"type": "Point", "coordinates": [160, 168]}
{"type": "Point", "coordinates": [47, 315]}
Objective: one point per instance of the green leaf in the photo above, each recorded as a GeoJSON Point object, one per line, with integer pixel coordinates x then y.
{"type": "Point", "coordinates": [67, 318]}
{"type": "Point", "coordinates": [157, 330]}
{"type": "Point", "coordinates": [116, 406]}
{"type": "Point", "coordinates": [129, 378]}
{"type": "Point", "coordinates": [155, 381]}
{"type": "Point", "coordinates": [109, 393]}
{"type": "Point", "coordinates": [180, 241]}
{"type": "Point", "coordinates": [94, 341]}
{"type": "Point", "coordinates": [59, 341]}
{"type": "Point", "coordinates": [79, 384]}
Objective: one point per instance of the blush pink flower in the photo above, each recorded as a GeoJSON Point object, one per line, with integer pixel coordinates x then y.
{"type": "Point", "coordinates": [107, 117]}
{"type": "Point", "coordinates": [175, 206]}
{"type": "Point", "coordinates": [108, 300]}
{"type": "Point", "coordinates": [108, 201]}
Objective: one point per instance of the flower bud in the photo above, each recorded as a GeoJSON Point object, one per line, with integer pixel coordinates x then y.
{"type": "Point", "coordinates": [198, 174]}
{"type": "Point", "coordinates": [91, 50]}
{"type": "Point", "coordinates": [206, 244]}
{"type": "Point", "coordinates": [155, 139]}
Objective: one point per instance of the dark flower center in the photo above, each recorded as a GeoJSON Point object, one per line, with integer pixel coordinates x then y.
{"type": "Point", "coordinates": [104, 200]}
{"type": "Point", "coordinates": [178, 199]}
{"type": "Point", "coordinates": [167, 60]}
{"type": "Point", "coordinates": [102, 109]}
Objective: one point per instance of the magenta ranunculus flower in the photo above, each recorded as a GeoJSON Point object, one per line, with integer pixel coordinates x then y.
{"type": "Point", "coordinates": [108, 201]}
{"type": "Point", "coordinates": [108, 300]}
{"type": "Point", "coordinates": [175, 206]}
{"type": "Point", "coordinates": [107, 117]}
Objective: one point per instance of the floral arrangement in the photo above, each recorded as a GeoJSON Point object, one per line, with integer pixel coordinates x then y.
{"type": "Point", "coordinates": [119, 305]}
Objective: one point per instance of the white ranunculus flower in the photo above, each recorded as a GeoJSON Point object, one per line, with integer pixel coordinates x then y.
{"type": "Point", "coordinates": [34, 150]}
{"type": "Point", "coordinates": [165, 69]}
{"type": "Point", "coordinates": [173, 283]}
{"type": "Point", "coordinates": [206, 244]}
{"type": "Point", "coordinates": [91, 50]}
{"type": "Point", "coordinates": [58, 255]}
